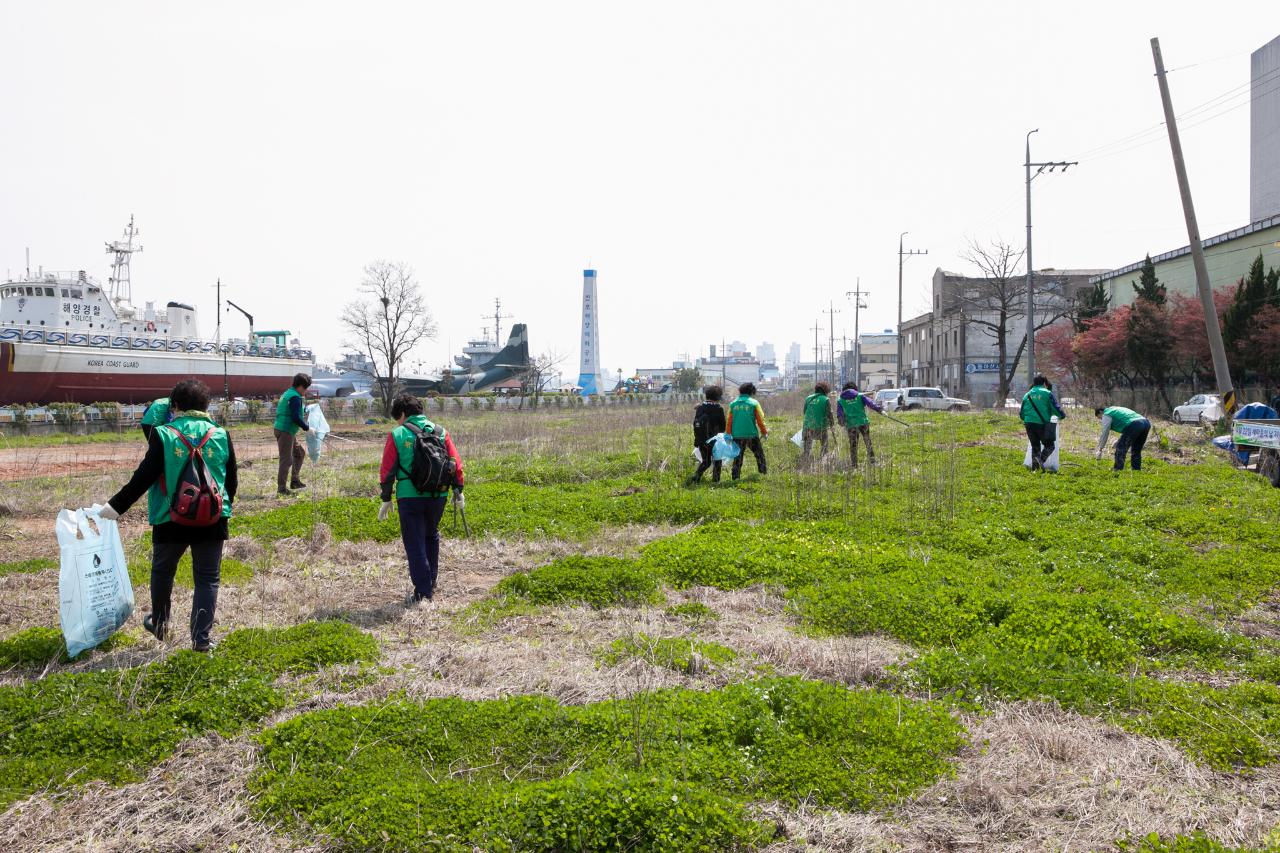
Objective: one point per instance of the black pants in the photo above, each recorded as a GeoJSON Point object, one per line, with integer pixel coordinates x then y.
{"type": "Point", "coordinates": [808, 436]}
{"type": "Point", "coordinates": [1134, 436]}
{"type": "Point", "coordinates": [863, 430]}
{"type": "Point", "coordinates": [756, 446]}
{"type": "Point", "coordinates": [420, 533]}
{"type": "Point", "coordinates": [206, 570]}
{"type": "Point", "coordinates": [707, 462]}
{"type": "Point", "coordinates": [1043, 437]}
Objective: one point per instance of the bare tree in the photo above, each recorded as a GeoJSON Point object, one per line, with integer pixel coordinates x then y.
{"type": "Point", "coordinates": [997, 304]}
{"type": "Point", "coordinates": [535, 376]}
{"type": "Point", "coordinates": [388, 321]}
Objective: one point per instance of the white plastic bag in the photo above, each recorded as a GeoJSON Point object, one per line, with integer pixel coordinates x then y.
{"type": "Point", "coordinates": [798, 439]}
{"type": "Point", "coordinates": [697, 455]}
{"type": "Point", "coordinates": [95, 595]}
{"type": "Point", "coordinates": [1050, 464]}
{"type": "Point", "coordinates": [318, 429]}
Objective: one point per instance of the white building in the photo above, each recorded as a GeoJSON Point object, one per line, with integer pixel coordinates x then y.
{"type": "Point", "coordinates": [1264, 132]}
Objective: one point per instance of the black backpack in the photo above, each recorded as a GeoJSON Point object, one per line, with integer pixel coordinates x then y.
{"type": "Point", "coordinates": [432, 468]}
{"type": "Point", "coordinates": [196, 501]}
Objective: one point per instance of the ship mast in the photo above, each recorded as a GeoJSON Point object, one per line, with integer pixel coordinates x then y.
{"type": "Point", "coordinates": [119, 286]}
{"type": "Point", "coordinates": [498, 317]}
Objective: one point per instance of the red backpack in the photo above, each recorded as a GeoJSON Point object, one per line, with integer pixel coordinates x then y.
{"type": "Point", "coordinates": [196, 501]}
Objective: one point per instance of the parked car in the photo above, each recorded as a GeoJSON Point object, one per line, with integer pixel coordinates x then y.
{"type": "Point", "coordinates": [1200, 408]}
{"type": "Point", "coordinates": [889, 398]}
{"type": "Point", "coordinates": [932, 399]}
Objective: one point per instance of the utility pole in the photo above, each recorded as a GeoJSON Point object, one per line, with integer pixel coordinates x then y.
{"type": "Point", "coordinates": [816, 357]}
{"type": "Point", "coordinates": [1221, 371]}
{"type": "Point", "coordinates": [901, 255]}
{"type": "Point", "coordinates": [857, 293]}
{"type": "Point", "coordinates": [832, 311]}
{"type": "Point", "coordinates": [1031, 313]}
{"type": "Point", "coordinates": [226, 381]}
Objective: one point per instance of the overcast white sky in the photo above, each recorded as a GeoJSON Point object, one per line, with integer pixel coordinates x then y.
{"type": "Point", "coordinates": [728, 167]}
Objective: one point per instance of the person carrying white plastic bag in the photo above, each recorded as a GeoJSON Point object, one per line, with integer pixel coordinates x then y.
{"type": "Point", "coordinates": [95, 596]}
{"type": "Point", "coordinates": [1040, 414]}
{"type": "Point", "coordinates": [317, 431]}
{"type": "Point", "coordinates": [189, 477]}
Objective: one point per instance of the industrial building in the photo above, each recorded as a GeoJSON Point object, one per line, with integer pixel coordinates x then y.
{"type": "Point", "coordinates": [1264, 132]}
{"type": "Point", "coordinates": [954, 348]}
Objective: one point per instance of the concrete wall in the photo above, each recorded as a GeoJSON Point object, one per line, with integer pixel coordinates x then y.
{"type": "Point", "coordinates": [1264, 132]}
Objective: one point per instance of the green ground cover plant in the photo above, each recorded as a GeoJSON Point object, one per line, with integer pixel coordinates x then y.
{"type": "Point", "coordinates": [1196, 843]}
{"type": "Point", "coordinates": [113, 724]}
{"type": "Point", "coordinates": [39, 647]}
{"type": "Point", "coordinates": [592, 581]}
{"type": "Point", "coordinates": [38, 564]}
{"type": "Point", "coordinates": [1106, 593]}
{"type": "Point", "coordinates": [670, 770]}
{"type": "Point", "coordinates": [682, 654]}
{"type": "Point", "coordinates": [693, 611]}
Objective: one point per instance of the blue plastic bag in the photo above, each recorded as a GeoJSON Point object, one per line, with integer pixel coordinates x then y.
{"type": "Point", "coordinates": [723, 447]}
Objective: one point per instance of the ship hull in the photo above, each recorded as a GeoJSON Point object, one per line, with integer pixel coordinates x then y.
{"type": "Point", "coordinates": [47, 373]}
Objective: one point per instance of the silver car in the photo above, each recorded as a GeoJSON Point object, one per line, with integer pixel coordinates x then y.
{"type": "Point", "coordinates": [1202, 408]}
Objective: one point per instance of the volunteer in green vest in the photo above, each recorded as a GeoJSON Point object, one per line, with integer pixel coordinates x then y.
{"type": "Point", "coordinates": [818, 419]}
{"type": "Point", "coordinates": [1038, 408]}
{"type": "Point", "coordinates": [1133, 429]}
{"type": "Point", "coordinates": [419, 512]}
{"type": "Point", "coordinates": [289, 420]}
{"type": "Point", "coordinates": [853, 415]}
{"type": "Point", "coordinates": [155, 414]}
{"type": "Point", "coordinates": [158, 475]}
{"type": "Point", "coordinates": [746, 427]}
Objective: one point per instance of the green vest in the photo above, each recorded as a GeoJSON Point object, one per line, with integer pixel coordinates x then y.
{"type": "Point", "coordinates": [405, 439]}
{"type": "Point", "coordinates": [284, 422]}
{"type": "Point", "coordinates": [216, 452]}
{"type": "Point", "coordinates": [744, 411]}
{"type": "Point", "coordinates": [1037, 405]}
{"type": "Point", "coordinates": [157, 413]}
{"type": "Point", "coordinates": [817, 411]}
{"type": "Point", "coordinates": [1120, 417]}
{"type": "Point", "coordinates": [855, 411]}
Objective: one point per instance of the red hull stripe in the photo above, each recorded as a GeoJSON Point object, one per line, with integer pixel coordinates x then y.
{"type": "Point", "coordinates": [121, 388]}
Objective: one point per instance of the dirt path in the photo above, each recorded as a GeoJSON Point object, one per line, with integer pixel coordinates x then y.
{"type": "Point", "coordinates": [20, 463]}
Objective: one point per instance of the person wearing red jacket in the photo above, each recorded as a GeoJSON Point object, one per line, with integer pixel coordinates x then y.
{"type": "Point", "coordinates": [420, 512]}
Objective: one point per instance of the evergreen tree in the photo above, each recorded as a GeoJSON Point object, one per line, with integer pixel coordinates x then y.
{"type": "Point", "coordinates": [1093, 304]}
{"type": "Point", "coordinates": [1147, 286]}
{"type": "Point", "coordinates": [1256, 291]}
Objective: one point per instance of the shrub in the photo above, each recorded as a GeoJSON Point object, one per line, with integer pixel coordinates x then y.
{"type": "Point", "coordinates": [668, 770]}
{"type": "Point", "coordinates": [253, 410]}
{"type": "Point", "coordinates": [593, 581]}
{"type": "Point", "coordinates": [22, 417]}
{"type": "Point", "coordinates": [112, 725]}
{"type": "Point", "coordinates": [359, 408]}
{"type": "Point", "coordinates": [66, 415]}
{"type": "Point", "coordinates": [109, 414]}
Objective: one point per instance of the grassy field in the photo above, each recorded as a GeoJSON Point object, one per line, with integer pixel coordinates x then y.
{"type": "Point", "coordinates": [943, 651]}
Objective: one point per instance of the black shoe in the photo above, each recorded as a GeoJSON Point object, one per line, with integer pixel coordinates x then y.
{"type": "Point", "coordinates": [284, 493]}
{"type": "Point", "coordinates": [203, 648]}
{"type": "Point", "coordinates": [297, 484]}
{"type": "Point", "coordinates": [160, 632]}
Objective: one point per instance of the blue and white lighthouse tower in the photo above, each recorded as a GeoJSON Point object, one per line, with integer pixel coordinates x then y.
{"type": "Point", "coordinates": [589, 372]}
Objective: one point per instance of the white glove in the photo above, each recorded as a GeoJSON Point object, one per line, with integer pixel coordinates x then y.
{"type": "Point", "coordinates": [1097, 454]}
{"type": "Point", "coordinates": [384, 510]}
{"type": "Point", "coordinates": [107, 513]}
{"type": "Point", "coordinates": [459, 500]}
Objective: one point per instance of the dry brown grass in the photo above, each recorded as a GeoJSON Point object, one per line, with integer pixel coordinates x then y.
{"type": "Point", "coordinates": [1035, 778]}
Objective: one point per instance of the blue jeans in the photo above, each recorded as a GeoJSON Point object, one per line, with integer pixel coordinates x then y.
{"type": "Point", "coordinates": [1134, 436]}
{"type": "Point", "coordinates": [420, 532]}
